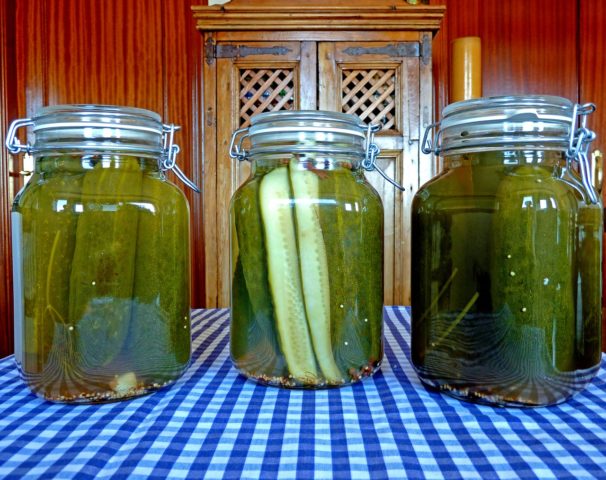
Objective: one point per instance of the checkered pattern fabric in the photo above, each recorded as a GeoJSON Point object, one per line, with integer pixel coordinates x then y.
{"type": "Point", "coordinates": [214, 424]}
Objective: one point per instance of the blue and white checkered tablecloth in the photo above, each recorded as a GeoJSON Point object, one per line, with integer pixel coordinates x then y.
{"type": "Point", "coordinates": [215, 424]}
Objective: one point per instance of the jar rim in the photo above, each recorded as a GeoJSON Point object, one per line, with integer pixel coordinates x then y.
{"type": "Point", "coordinates": [98, 128]}
{"type": "Point", "coordinates": [532, 122]}
{"type": "Point", "coordinates": [519, 101]}
{"type": "Point", "coordinates": [306, 120]}
{"type": "Point", "coordinates": [305, 131]}
{"type": "Point", "coordinates": [73, 115]}
{"type": "Point", "coordinates": [306, 115]}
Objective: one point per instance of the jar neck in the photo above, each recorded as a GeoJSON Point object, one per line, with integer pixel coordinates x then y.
{"type": "Point", "coordinates": [314, 161]}
{"type": "Point", "coordinates": [78, 162]}
{"type": "Point", "coordinates": [505, 158]}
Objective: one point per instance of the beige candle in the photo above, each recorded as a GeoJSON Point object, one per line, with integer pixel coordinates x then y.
{"type": "Point", "coordinates": [466, 69]}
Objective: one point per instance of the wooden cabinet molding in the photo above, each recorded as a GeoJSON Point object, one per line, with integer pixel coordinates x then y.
{"type": "Point", "coordinates": [274, 15]}
{"type": "Point", "coordinates": [372, 59]}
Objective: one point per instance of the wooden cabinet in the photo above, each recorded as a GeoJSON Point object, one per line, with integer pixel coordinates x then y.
{"type": "Point", "coordinates": [369, 59]}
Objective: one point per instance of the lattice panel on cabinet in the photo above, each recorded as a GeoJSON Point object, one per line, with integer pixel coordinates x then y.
{"type": "Point", "coordinates": [370, 94]}
{"type": "Point", "coordinates": [265, 90]}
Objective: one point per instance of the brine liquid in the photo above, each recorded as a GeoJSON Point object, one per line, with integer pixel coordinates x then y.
{"type": "Point", "coordinates": [104, 274]}
{"type": "Point", "coordinates": [506, 285]}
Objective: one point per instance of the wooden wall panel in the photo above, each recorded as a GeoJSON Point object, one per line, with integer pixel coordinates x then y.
{"type": "Point", "coordinates": [7, 111]}
{"type": "Point", "coordinates": [592, 75]}
{"type": "Point", "coordinates": [100, 52]}
{"type": "Point", "coordinates": [527, 47]}
{"type": "Point", "coordinates": [141, 53]}
{"type": "Point", "coordinates": [592, 72]}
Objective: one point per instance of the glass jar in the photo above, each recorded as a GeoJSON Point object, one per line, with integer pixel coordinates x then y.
{"type": "Point", "coordinates": [306, 252]}
{"type": "Point", "coordinates": [506, 255]}
{"type": "Point", "coordinates": [100, 256]}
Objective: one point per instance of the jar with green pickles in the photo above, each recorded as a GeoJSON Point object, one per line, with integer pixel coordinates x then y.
{"type": "Point", "coordinates": [306, 252]}
{"type": "Point", "coordinates": [506, 254]}
{"type": "Point", "coordinates": [100, 256]}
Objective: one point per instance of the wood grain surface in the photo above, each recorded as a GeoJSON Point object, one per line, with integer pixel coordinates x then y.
{"type": "Point", "coordinates": [592, 73]}
{"type": "Point", "coordinates": [7, 113]}
{"type": "Point", "coordinates": [592, 68]}
{"type": "Point", "coordinates": [141, 53]}
{"type": "Point", "coordinates": [527, 47]}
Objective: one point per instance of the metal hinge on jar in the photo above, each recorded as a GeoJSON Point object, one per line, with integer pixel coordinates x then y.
{"type": "Point", "coordinates": [578, 147]}
{"type": "Point", "coordinates": [170, 154]}
{"type": "Point", "coordinates": [237, 151]}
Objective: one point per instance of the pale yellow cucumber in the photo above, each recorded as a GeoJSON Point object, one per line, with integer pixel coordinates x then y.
{"type": "Point", "coordinates": [284, 275]}
{"type": "Point", "coordinates": [314, 267]}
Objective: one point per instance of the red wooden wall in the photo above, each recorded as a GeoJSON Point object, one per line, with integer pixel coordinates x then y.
{"type": "Point", "coordinates": [142, 53]}
{"type": "Point", "coordinates": [147, 53]}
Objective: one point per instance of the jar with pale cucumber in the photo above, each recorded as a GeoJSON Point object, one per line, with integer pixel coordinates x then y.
{"type": "Point", "coordinates": [307, 265]}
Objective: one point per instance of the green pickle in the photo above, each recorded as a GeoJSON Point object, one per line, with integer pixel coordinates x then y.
{"type": "Point", "coordinates": [49, 233]}
{"type": "Point", "coordinates": [307, 280]}
{"type": "Point", "coordinates": [103, 266]}
{"type": "Point", "coordinates": [159, 331]}
{"type": "Point", "coordinates": [506, 299]}
{"type": "Point", "coordinates": [532, 284]}
{"type": "Point", "coordinates": [589, 258]}
{"type": "Point", "coordinates": [106, 278]}
{"type": "Point", "coordinates": [254, 343]}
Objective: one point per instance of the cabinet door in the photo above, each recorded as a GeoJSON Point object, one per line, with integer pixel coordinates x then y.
{"type": "Point", "coordinates": [251, 78]}
{"type": "Point", "coordinates": [379, 82]}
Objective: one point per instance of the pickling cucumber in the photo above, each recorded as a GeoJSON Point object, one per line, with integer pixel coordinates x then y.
{"type": "Point", "coordinates": [589, 259]}
{"type": "Point", "coordinates": [533, 276]}
{"type": "Point", "coordinates": [48, 239]}
{"type": "Point", "coordinates": [254, 344]}
{"type": "Point", "coordinates": [285, 275]}
{"type": "Point", "coordinates": [342, 238]}
{"type": "Point", "coordinates": [346, 247]}
{"type": "Point", "coordinates": [314, 267]}
{"type": "Point", "coordinates": [242, 338]}
{"type": "Point", "coordinates": [104, 259]}
{"type": "Point", "coordinates": [371, 262]}
{"type": "Point", "coordinates": [158, 342]}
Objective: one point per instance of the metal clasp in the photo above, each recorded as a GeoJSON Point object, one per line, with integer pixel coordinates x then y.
{"type": "Point", "coordinates": [428, 146]}
{"type": "Point", "coordinates": [372, 151]}
{"type": "Point", "coordinates": [235, 150]}
{"type": "Point", "coordinates": [578, 147]}
{"type": "Point", "coordinates": [13, 145]}
{"type": "Point", "coordinates": [169, 155]}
